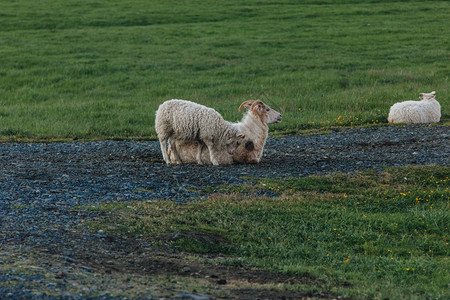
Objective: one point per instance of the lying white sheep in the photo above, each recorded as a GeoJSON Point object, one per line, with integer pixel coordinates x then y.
{"type": "Point", "coordinates": [253, 125]}
{"type": "Point", "coordinates": [181, 120]}
{"type": "Point", "coordinates": [427, 110]}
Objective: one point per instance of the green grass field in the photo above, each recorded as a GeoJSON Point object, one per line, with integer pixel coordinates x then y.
{"type": "Point", "coordinates": [99, 69]}
{"type": "Point", "coordinates": [370, 235]}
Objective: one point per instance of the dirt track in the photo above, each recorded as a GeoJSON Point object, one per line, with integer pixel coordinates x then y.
{"type": "Point", "coordinates": [44, 253]}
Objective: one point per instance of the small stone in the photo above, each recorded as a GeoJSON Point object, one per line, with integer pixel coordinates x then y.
{"type": "Point", "coordinates": [86, 268]}
{"type": "Point", "coordinates": [70, 259]}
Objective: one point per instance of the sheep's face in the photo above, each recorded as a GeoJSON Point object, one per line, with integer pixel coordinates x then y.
{"type": "Point", "coordinates": [272, 115]}
{"type": "Point", "coordinates": [247, 152]}
{"type": "Point", "coordinates": [234, 142]}
{"type": "Point", "coordinates": [427, 96]}
{"type": "Point", "coordinates": [259, 108]}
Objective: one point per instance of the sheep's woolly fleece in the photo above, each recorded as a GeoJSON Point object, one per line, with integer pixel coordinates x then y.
{"type": "Point", "coordinates": [188, 121]}
{"type": "Point", "coordinates": [427, 110]}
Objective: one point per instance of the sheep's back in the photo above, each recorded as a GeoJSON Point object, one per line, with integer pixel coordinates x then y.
{"type": "Point", "coordinates": [186, 120]}
{"type": "Point", "coordinates": [414, 112]}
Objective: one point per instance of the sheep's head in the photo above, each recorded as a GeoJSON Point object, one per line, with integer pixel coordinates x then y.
{"type": "Point", "coordinates": [262, 110]}
{"type": "Point", "coordinates": [427, 96]}
{"type": "Point", "coordinates": [234, 141]}
{"type": "Point", "coordinates": [247, 153]}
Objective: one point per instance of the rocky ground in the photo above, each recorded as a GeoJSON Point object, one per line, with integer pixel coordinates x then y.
{"type": "Point", "coordinates": [44, 254]}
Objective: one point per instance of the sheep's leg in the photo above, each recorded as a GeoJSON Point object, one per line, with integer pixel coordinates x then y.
{"type": "Point", "coordinates": [176, 155]}
{"type": "Point", "coordinates": [199, 153]}
{"type": "Point", "coordinates": [212, 156]}
{"type": "Point", "coordinates": [163, 143]}
{"type": "Point", "coordinates": [169, 153]}
{"type": "Point", "coordinates": [204, 148]}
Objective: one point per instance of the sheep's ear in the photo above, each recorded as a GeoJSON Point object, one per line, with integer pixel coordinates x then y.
{"type": "Point", "coordinates": [433, 93]}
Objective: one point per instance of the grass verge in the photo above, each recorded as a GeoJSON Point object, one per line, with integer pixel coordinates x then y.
{"type": "Point", "coordinates": [365, 235]}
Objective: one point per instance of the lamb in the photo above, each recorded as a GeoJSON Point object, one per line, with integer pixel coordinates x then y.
{"type": "Point", "coordinates": [428, 110]}
{"type": "Point", "coordinates": [253, 125]}
{"type": "Point", "coordinates": [181, 120]}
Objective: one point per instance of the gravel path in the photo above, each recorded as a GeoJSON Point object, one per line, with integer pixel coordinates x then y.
{"type": "Point", "coordinates": [40, 184]}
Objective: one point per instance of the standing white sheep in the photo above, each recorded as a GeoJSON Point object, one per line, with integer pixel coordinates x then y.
{"type": "Point", "coordinates": [427, 110]}
{"type": "Point", "coordinates": [181, 120]}
{"type": "Point", "coordinates": [253, 125]}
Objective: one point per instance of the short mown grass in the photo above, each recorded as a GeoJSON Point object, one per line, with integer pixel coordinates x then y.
{"type": "Point", "coordinates": [365, 235]}
{"type": "Point", "coordinates": [99, 70]}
